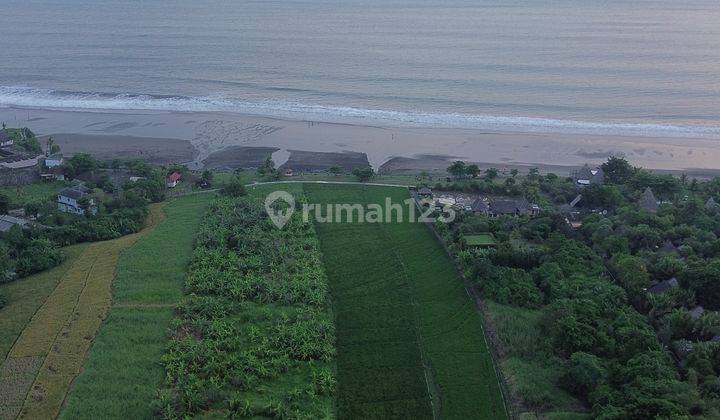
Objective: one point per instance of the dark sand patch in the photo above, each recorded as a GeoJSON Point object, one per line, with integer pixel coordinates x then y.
{"type": "Point", "coordinates": [305, 161]}
{"type": "Point", "coordinates": [438, 164]}
{"type": "Point", "coordinates": [600, 154]}
{"type": "Point", "coordinates": [239, 157]}
{"type": "Point", "coordinates": [118, 127]}
{"type": "Point", "coordinates": [406, 165]}
{"type": "Point", "coordinates": [107, 147]}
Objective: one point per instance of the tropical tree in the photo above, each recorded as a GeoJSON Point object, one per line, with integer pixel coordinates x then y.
{"type": "Point", "coordinates": [457, 169]}
{"type": "Point", "coordinates": [491, 173]}
{"type": "Point", "coordinates": [364, 174]}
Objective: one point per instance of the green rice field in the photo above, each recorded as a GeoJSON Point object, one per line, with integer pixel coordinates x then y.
{"type": "Point", "coordinates": [122, 371]}
{"type": "Point", "coordinates": [410, 341]}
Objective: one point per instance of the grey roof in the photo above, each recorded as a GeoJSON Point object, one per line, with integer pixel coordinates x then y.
{"type": "Point", "coordinates": [668, 248]}
{"type": "Point", "coordinates": [593, 175]}
{"type": "Point", "coordinates": [648, 201]}
{"type": "Point", "coordinates": [663, 286]}
{"type": "Point", "coordinates": [509, 206]}
{"type": "Point", "coordinates": [711, 204]}
{"type": "Point", "coordinates": [425, 191]}
{"type": "Point", "coordinates": [479, 206]}
{"type": "Point", "coordinates": [7, 222]}
{"type": "Point", "coordinates": [73, 193]}
{"type": "Point", "coordinates": [4, 137]}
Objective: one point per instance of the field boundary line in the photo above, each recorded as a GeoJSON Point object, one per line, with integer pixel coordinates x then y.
{"type": "Point", "coordinates": [432, 390]}
{"type": "Point", "coordinates": [480, 309]}
{"type": "Point", "coordinates": [69, 266]}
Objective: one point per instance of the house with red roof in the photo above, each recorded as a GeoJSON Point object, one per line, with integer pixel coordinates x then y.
{"type": "Point", "coordinates": [173, 179]}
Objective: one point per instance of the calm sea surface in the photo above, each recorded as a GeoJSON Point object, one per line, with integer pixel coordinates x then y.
{"type": "Point", "coordinates": [589, 65]}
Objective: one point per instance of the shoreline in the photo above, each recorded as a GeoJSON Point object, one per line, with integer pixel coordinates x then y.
{"type": "Point", "coordinates": [225, 139]}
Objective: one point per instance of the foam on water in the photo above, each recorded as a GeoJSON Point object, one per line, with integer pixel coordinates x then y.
{"type": "Point", "coordinates": [11, 96]}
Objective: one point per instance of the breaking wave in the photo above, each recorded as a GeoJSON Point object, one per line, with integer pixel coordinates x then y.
{"type": "Point", "coordinates": [52, 99]}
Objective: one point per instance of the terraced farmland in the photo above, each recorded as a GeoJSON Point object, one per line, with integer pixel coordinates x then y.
{"type": "Point", "coordinates": [48, 354]}
{"type": "Point", "coordinates": [410, 342]}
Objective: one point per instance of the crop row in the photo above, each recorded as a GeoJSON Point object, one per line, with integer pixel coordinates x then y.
{"type": "Point", "coordinates": [254, 335]}
{"type": "Point", "coordinates": [410, 342]}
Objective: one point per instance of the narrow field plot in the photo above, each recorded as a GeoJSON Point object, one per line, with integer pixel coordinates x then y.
{"type": "Point", "coordinates": [122, 370]}
{"type": "Point", "coordinates": [52, 347]}
{"type": "Point", "coordinates": [410, 341]}
{"type": "Point", "coordinates": [25, 296]}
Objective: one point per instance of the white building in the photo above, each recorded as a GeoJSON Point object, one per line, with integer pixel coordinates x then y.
{"type": "Point", "coordinates": [69, 201]}
{"type": "Point", "coordinates": [53, 161]}
{"type": "Point", "coordinates": [5, 140]}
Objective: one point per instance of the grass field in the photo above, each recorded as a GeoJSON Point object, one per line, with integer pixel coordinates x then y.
{"type": "Point", "coordinates": [122, 371]}
{"type": "Point", "coordinates": [410, 342]}
{"type": "Point", "coordinates": [31, 193]}
{"type": "Point", "coordinates": [482, 239]}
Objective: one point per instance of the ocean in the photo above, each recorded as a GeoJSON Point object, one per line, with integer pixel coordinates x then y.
{"type": "Point", "coordinates": [597, 66]}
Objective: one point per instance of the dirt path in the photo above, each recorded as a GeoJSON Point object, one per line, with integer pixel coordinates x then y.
{"type": "Point", "coordinates": [49, 353]}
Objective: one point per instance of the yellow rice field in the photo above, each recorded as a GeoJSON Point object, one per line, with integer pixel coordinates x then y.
{"type": "Point", "coordinates": [49, 353]}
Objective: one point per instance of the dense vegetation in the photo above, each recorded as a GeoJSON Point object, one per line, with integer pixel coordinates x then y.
{"type": "Point", "coordinates": [573, 312]}
{"type": "Point", "coordinates": [24, 139]}
{"type": "Point", "coordinates": [254, 335]}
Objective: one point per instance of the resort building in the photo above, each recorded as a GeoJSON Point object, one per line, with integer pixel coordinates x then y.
{"type": "Point", "coordinates": [590, 176]}
{"type": "Point", "coordinates": [712, 205]}
{"type": "Point", "coordinates": [648, 202]}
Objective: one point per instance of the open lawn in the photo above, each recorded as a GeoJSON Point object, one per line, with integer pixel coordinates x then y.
{"type": "Point", "coordinates": [31, 193]}
{"type": "Point", "coordinates": [122, 371]}
{"type": "Point", "coordinates": [410, 341]}
{"type": "Point", "coordinates": [482, 240]}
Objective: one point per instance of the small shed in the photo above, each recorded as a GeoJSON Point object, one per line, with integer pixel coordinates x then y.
{"type": "Point", "coordinates": [7, 222]}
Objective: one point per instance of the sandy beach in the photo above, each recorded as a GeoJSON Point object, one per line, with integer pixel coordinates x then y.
{"type": "Point", "coordinates": [226, 140]}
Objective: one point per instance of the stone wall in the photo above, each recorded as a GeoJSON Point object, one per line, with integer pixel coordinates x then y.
{"type": "Point", "coordinates": [20, 176]}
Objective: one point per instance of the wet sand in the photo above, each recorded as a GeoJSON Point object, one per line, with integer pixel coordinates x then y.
{"type": "Point", "coordinates": [392, 149]}
{"type": "Point", "coordinates": [107, 147]}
